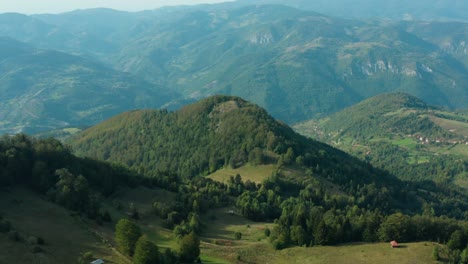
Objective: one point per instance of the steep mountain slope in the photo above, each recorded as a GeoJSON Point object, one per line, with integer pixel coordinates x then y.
{"type": "Point", "coordinates": [42, 90]}
{"type": "Point", "coordinates": [402, 134]}
{"type": "Point", "coordinates": [450, 37]}
{"type": "Point", "coordinates": [297, 64]}
{"type": "Point", "coordinates": [275, 55]}
{"type": "Point", "coordinates": [199, 138]}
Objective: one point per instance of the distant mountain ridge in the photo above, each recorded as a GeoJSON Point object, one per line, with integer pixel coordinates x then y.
{"type": "Point", "coordinates": [297, 64]}
{"type": "Point", "coordinates": [42, 90]}
{"type": "Point", "coordinates": [443, 10]}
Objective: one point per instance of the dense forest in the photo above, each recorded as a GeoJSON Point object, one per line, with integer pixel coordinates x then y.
{"type": "Point", "coordinates": [337, 199]}
{"type": "Point", "coordinates": [48, 167]}
{"type": "Point", "coordinates": [306, 213]}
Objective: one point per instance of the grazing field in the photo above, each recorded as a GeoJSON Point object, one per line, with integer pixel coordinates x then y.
{"type": "Point", "coordinates": [66, 236]}
{"type": "Point", "coordinates": [141, 198]}
{"type": "Point", "coordinates": [248, 172]}
{"type": "Point", "coordinates": [33, 216]}
{"type": "Point", "coordinates": [218, 240]}
{"type": "Point", "coordinates": [408, 143]}
{"type": "Point", "coordinates": [358, 253]}
{"type": "Point", "coordinates": [457, 127]}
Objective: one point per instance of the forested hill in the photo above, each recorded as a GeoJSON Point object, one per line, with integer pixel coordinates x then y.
{"type": "Point", "coordinates": [297, 64]}
{"type": "Point", "coordinates": [402, 134]}
{"type": "Point", "coordinates": [228, 132]}
{"type": "Point", "coordinates": [199, 138]}
{"type": "Point", "coordinates": [50, 168]}
{"type": "Point", "coordinates": [380, 115]}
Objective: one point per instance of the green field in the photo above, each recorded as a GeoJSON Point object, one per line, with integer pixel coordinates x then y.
{"type": "Point", "coordinates": [66, 236]}
{"type": "Point", "coordinates": [406, 142]}
{"type": "Point", "coordinates": [456, 127]}
{"type": "Point", "coordinates": [248, 172]}
{"type": "Point", "coordinates": [33, 216]}
{"type": "Point", "coordinates": [218, 240]}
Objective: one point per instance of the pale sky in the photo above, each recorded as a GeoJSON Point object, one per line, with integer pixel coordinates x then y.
{"type": "Point", "coordinates": [59, 6]}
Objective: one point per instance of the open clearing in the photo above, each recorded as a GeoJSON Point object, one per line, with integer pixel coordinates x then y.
{"type": "Point", "coordinates": [66, 236]}
{"type": "Point", "coordinates": [248, 172]}
{"type": "Point", "coordinates": [457, 127]}
{"type": "Point", "coordinates": [254, 247]}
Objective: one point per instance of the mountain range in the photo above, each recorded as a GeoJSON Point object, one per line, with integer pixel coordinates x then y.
{"type": "Point", "coordinates": [150, 164]}
{"type": "Point", "coordinates": [441, 10]}
{"type": "Point", "coordinates": [46, 89]}
{"type": "Point", "coordinates": [298, 64]}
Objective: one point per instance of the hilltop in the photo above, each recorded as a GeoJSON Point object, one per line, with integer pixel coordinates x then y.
{"type": "Point", "coordinates": [200, 138]}
{"type": "Point", "coordinates": [400, 133]}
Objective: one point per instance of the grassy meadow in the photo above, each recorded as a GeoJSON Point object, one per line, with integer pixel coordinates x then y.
{"type": "Point", "coordinates": [67, 235]}
{"type": "Point", "coordinates": [248, 172]}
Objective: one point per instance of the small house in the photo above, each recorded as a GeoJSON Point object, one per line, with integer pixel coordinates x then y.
{"type": "Point", "coordinates": [97, 261]}
{"type": "Point", "coordinates": [394, 244]}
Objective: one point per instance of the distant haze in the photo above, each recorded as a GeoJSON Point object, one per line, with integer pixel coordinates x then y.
{"type": "Point", "coordinates": [59, 6]}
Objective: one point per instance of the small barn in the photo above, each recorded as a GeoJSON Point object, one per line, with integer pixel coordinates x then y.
{"type": "Point", "coordinates": [97, 261]}
{"type": "Point", "coordinates": [394, 244]}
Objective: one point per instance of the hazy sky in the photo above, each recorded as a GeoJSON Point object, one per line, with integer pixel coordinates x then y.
{"type": "Point", "coordinates": [58, 6]}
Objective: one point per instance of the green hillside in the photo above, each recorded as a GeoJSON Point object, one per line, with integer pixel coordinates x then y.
{"type": "Point", "coordinates": [44, 90]}
{"type": "Point", "coordinates": [401, 134]}
{"type": "Point", "coordinates": [199, 139]}
{"type": "Point", "coordinates": [228, 132]}
{"type": "Point", "coordinates": [315, 196]}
